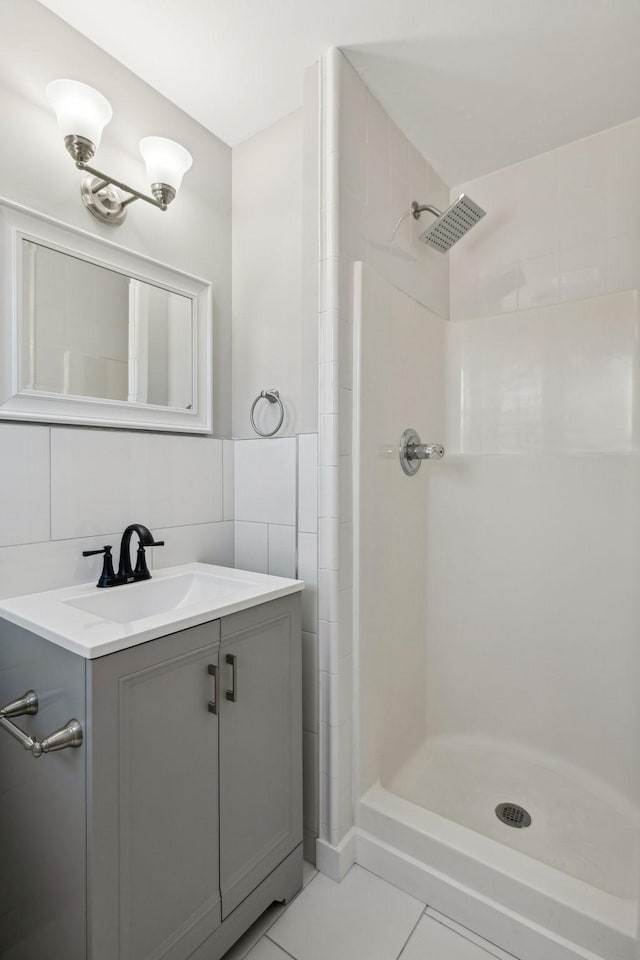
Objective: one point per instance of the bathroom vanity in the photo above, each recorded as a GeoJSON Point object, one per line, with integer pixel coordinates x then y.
{"type": "Point", "coordinates": [178, 819]}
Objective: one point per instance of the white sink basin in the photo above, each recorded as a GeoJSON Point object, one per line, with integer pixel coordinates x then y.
{"type": "Point", "coordinates": [93, 622]}
{"type": "Point", "coordinates": [137, 601]}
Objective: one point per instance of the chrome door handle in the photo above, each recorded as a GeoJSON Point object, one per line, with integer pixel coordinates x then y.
{"type": "Point", "coordinates": [233, 663]}
{"type": "Point", "coordinates": [68, 736]}
{"type": "Point", "coordinates": [213, 672]}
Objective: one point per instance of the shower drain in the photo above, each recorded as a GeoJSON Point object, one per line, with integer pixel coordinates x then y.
{"type": "Point", "coordinates": [513, 815]}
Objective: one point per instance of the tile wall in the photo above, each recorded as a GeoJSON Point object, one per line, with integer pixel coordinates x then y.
{"type": "Point", "coordinates": [65, 489]}
{"type": "Point", "coordinates": [276, 532]}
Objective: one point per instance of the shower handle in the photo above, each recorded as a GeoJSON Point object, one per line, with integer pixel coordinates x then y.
{"type": "Point", "coordinates": [425, 451]}
{"type": "Point", "coordinates": [413, 451]}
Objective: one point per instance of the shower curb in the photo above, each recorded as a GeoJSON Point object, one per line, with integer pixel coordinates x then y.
{"type": "Point", "coordinates": [504, 928]}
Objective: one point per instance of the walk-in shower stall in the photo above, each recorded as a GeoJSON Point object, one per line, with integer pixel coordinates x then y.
{"type": "Point", "coordinates": [497, 616]}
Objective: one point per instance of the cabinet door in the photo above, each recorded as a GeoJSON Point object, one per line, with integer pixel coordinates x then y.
{"type": "Point", "coordinates": [260, 745]}
{"type": "Point", "coordinates": [153, 804]}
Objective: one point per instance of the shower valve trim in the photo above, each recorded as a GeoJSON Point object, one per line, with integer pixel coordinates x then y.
{"type": "Point", "coordinates": [413, 451]}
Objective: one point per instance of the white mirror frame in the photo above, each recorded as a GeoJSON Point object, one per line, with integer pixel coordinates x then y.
{"type": "Point", "coordinates": [17, 224]}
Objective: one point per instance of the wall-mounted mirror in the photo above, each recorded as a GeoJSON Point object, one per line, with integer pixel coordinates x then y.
{"type": "Point", "coordinates": [97, 334]}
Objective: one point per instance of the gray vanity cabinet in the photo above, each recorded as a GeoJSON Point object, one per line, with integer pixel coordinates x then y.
{"type": "Point", "coordinates": [260, 746]}
{"type": "Point", "coordinates": [182, 809]}
{"type": "Point", "coordinates": [153, 799]}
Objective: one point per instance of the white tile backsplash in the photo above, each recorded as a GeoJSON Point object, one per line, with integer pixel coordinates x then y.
{"type": "Point", "coordinates": [251, 546]}
{"type": "Point", "coordinates": [282, 551]}
{"type": "Point", "coordinates": [24, 483]}
{"type": "Point", "coordinates": [32, 567]}
{"type": "Point", "coordinates": [227, 479]}
{"type": "Point", "coordinates": [103, 480]}
{"type": "Point", "coordinates": [68, 489]}
{"type": "Point", "coordinates": [202, 542]}
{"type": "Point", "coordinates": [265, 480]}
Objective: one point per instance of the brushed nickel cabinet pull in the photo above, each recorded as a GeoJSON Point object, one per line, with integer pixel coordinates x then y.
{"type": "Point", "coordinates": [213, 672]}
{"type": "Point", "coordinates": [233, 663]}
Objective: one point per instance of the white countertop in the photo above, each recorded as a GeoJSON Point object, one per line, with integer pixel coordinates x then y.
{"type": "Point", "coordinates": [57, 615]}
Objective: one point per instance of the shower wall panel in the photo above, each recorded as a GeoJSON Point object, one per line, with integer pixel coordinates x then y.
{"type": "Point", "coordinates": [560, 378]}
{"type": "Point", "coordinates": [400, 384]}
{"type": "Point", "coordinates": [533, 609]}
{"type": "Point", "coordinates": [561, 226]}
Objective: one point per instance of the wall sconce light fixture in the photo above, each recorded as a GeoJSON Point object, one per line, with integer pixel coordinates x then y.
{"type": "Point", "coordinates": [82, 114]}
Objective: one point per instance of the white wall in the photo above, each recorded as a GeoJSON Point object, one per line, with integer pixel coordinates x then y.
{"type": "Point", "coordinates": [269, 334]}
{"type": "Point", "coordinates": [65, 489]}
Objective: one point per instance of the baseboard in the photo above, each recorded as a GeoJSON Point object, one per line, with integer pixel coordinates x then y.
{"type": "Point", "coordinates": [486, 918]}
{"type": "Point", "coordinates": [334, 862]}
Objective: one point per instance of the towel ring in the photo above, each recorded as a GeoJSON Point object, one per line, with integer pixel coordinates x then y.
{"type": "Point", "coordinates": [273, 396]}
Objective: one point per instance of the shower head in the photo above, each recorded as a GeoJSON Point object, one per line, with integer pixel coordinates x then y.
{"type": "Point", "coordinates": [451, 225]}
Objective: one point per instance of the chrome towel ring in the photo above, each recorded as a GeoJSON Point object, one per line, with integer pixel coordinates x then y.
{"type": "Point", "coordinates": [273, 396]}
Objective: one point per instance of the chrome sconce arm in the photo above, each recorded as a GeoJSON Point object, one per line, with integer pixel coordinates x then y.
{"type": "Point", "coordinates": [163, 194]}
{"type": "Point", "coordinates": [70, 735]}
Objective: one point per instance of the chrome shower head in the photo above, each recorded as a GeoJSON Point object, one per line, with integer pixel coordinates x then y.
{"type": "Point", "coordinates": [451, 225]}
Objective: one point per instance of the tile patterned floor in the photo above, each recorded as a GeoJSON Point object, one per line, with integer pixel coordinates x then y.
{"type": "Point", "coordinates": [362, 918]}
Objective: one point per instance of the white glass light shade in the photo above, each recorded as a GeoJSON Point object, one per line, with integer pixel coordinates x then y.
{"type": "Point", "coordinates": [81, 110]}
{"type": "Point", "coordinates": [167, 161]}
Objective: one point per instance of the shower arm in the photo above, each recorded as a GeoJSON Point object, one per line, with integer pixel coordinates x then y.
{"type": "Point", "coordinates": [417, 209]}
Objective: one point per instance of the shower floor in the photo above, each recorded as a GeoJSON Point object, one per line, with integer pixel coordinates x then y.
{"type": "Point", "coordinates": [578, 825]}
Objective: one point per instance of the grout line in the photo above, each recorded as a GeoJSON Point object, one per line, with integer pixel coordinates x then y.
{"type": "Point", "coordinates": [276, 944]}
{"type": "Point", "coordinates": [163, 526]}
{"type": "Point", "coordinates": [413, 930]}
{"type": "Point", "coordinates": [317, 872]}
{"type": "Point", "coordinates": [459, 928]}
{"type": "Point", "coordinates": [110, 533]}
{"type": "Point", "coordinates": [262, 523]}
{"type": "Point", "coordinates": [266, 936]}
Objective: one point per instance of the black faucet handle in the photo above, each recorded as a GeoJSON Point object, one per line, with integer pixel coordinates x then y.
{"type": "Point", "coordinates": [94, 553]}
{"type": "Point", "coordinates": [107, 577]}
{"type": "Point", "coordinates": [156, 543]}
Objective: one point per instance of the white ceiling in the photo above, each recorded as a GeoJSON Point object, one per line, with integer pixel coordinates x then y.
{"type": "Point", "coordinates": [475, 84]}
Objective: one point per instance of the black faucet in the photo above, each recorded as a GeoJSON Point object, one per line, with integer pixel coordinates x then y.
{"type": "Point", "coordinates": [125, 574]}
